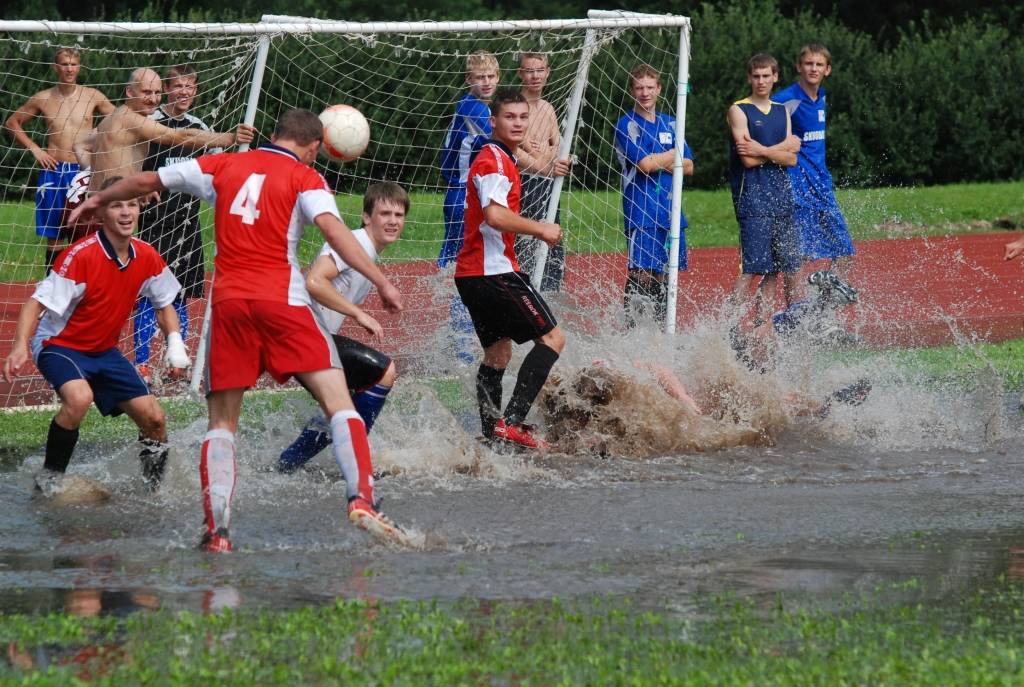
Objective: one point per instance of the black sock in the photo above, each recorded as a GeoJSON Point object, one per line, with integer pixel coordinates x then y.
{"type": "Point", "coordinates": [60, 444]}
{"type": "Point", "coordinates": [532, 375]}
{"type": "Point", "coordinates": [644, 290]}
{"type": "Point", "coordinates": [488, 396]}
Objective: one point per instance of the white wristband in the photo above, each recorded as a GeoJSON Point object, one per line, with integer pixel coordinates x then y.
{"type": "Point", "coordinates": [177, 356]}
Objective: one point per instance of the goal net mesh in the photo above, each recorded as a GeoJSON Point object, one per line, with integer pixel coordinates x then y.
{"type": "Point", "coordinates": [407, 85]}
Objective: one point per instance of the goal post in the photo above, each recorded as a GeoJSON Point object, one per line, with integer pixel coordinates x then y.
{"type": "Point", "coordinates": [406, 77]}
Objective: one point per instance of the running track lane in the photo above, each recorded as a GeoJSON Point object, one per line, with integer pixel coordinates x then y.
{"type": "Point", "coordinates": [914, 292]}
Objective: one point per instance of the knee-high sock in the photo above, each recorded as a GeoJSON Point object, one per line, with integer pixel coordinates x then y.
{"type": "Point", "coordinates": [217, 476]}
{"type": "Point", "coordinates": [352, 452]}
{"type": "Point", "coordinates": [532, 375]}
{"type": "Point", "coordinates": [60, 444]}
{"type": "Point", "coordinates": [488, 397]}
{"type": "Point", "coordinates": [370, 402]}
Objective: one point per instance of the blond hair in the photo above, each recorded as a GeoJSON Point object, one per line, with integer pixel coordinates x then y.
{"type": "Point", "coordinates": [482, 61]}
{"type": "Point", "coordinates": [70, 52]}
{"type": "Point", "coordinates": [814, 49]}
{"type": "Point", "coordinates": [643, 71]}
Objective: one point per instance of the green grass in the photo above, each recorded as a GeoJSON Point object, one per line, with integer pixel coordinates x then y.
{"type": "Point", "coordinates": [593, 220]}
{"type": "Point", "coordinates": [970, 641]}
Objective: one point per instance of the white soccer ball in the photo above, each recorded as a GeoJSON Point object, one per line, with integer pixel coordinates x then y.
{"type": "Point", "coordinates": [346, 132]}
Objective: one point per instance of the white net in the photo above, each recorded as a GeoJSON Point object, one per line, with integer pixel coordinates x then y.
{"type": "Point", "coordinates": [407, 85]}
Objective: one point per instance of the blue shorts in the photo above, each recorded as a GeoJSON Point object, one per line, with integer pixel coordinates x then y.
{"type": "Point", "coordinates": [769, 244]}
{"type": "Point", "coordinates": [454, 219]}
{"type": "Point", "coordinates": [648, 249]}
{"type": "Point", "coordinates": [52, 197]}
{"type": "Point", "coordinates": [823, 233]}
{"type": "Point", "coordinates": [113, 379]}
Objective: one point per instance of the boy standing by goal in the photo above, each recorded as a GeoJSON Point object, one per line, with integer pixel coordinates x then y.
{"type": "Point", "coordinates": [470, 124]}
{"type": "Point", "coordinates": [502, 303]}
{"type": "Point", "coordinates": [538, 166]}
{"type": "Point", "coordinates": [823, 230]}
{"type": "Point", "coordinates": [171, 224]}
{"type": "Point", "coordinates": [762, 149]}
{"type": "Point", "coordinates": [73, 321]}
{"type": "Point", "coordinates": [339, 291]}
{"type": "Point", "coordinates": [645, 141]}
{"type": "Point", "coordinates": [68, 110]}
{"type": "Point", "coordinates": [261, 315]}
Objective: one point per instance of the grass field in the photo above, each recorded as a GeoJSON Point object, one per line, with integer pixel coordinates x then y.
{"type": "Point", "coordinates": [960, 641]}
{"type": "Point", "coordinates": [593, 220]}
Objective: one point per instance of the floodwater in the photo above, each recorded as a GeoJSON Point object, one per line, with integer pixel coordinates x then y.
{"type": "Point", "coordinates": [921, 481]}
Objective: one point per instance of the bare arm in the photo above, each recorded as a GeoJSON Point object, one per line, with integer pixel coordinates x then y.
{"type": "Point", "coordinates": [15, 125]}
{"type": "Point", "coordinates": [103, 104]}
{"type": "Point", "coordinates": [167, 320]}
{"type": "Point", "coordinates": [28, 321]}
{"type": "Point", "coordinates": [83, 149]}
{"type": "Point", "coordinates": [340, 238]}
{"type": "Point", "coordinates": [149, 130]}
{"type": "Point", "coordinates": [318, 283]}
{"type": "Point", "coordinates": [741, 137]}
{"type": "Point", "coordinates": [134, 186]}
{"type": "Point", "coordinates": [663, 161]}
{"type": "Point", "coordinates": [503, 219]}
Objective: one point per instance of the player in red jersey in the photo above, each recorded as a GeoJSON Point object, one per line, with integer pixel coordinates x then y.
{"type": "Point", "coordinates": [261, 315]}
{"type": "Point", "coordinates": [501, 301]}
{"type": "Point", "coordinates": [74, 319]}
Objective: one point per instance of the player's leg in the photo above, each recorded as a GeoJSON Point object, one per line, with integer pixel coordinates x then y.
{"type": "Point", "coordinates": [486, 300]}
{"type": "Point", "coordinates": [217, 466]}
{"type": "Point", "coordinates": [50, 202]}
{"type": "Point", "coordinates": [366, 369]}
{"type": "Point", "coordinates": [488, 384]}
{"type": "Point", "coordinates": [644, 291]}
{"type": "Point", "coordinates": [67, 371]}
{"type": "Point", "coordinates": [149, 417]}
{"type": "Point", "coordinates": [454, 215]}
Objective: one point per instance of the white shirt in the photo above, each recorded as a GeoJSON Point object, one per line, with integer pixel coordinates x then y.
{"type": "Point", "coordinates": [349, 283]}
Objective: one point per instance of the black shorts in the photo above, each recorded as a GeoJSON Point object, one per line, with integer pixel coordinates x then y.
{"type": "Point", "coordinates": [505, 306]}
{"type": "Point", "coordinates": [364, 366]}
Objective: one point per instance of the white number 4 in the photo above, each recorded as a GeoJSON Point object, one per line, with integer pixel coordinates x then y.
{"type": "Point", "coordinates": [244, 204]}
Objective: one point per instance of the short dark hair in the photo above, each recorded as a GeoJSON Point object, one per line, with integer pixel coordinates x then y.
{"type": "Point", "coordinates": [301, 126]}
{"type": "Point", "coordinates": [505, 96]}
{"type": "Point", "coordinates": [387, 191]}
{"type": "Point", "coordinates": [814, 49]}
{"type": "Point", "coordinates": [183, 71]}
{"type": "Point", "coordinates": [762, 60]}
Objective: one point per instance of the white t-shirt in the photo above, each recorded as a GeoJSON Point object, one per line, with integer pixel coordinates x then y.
{"type": "Point", "coordinates": [349, 283]}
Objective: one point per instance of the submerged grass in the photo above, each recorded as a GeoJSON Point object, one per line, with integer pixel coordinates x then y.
{"type": "Point", "coordinates": [969, 641]}
{"type": "Point", "coordinates": [592, 220]}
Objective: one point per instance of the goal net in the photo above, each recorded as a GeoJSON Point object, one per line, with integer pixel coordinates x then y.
{"type": "Point", "coordinates": [407, 80]}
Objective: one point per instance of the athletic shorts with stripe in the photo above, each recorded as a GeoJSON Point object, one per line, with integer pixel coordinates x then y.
{"type": "Point", "coordinates": [505, 306]}
{"type": "Point", "coordinates": [249, 337]}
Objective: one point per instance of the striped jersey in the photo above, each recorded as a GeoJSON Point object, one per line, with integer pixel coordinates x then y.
{"type": "Point", "coordinates": [493, 178]}
{"type": "Point", "coordinates": [90, 293]}
{"type": "Point", "coordinates": [262, 201]}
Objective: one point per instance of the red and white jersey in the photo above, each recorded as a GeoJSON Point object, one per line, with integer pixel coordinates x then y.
{"type": "Point", "coordinates": [262, 200]}
{"type": "Point", "coordinates": [493, 178]}
{"type": "Point", "coordinates": [90, 293]}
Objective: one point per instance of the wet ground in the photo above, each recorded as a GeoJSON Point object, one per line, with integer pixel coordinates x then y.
{"type": "Point", "coordinates": [842, 506]}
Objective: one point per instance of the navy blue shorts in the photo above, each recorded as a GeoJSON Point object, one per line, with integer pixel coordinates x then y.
{"type": "Point", "coordinates": [648, 249]}
{"type": "Point", "coordinates": [769, 244]}
{"type": "Point", "coordinates": [113, 379]}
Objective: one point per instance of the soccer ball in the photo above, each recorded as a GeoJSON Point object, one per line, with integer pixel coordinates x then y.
{"type": "Point", "coordinates": [346, 132]}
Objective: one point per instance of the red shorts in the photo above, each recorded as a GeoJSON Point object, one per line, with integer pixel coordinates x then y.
{"type": "Point", "coordinates": [250, 337]}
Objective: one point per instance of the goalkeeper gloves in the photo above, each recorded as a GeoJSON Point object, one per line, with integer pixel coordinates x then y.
{"type": "Point", "coordinates": [176, 355]}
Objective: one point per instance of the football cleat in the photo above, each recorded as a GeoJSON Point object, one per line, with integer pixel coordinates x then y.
{"type": "Point", "coordinates": [216, 542]}
{"type": "Point", "coordinates": [153, 458]}
{"type": "Point", "coordinates": [832, 288]}
{"type": "Point", "coordinates": [367, 517]}
{"type": "Point", "coordinates": [521, 435]}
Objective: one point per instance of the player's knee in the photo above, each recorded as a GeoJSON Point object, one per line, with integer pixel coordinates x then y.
{"type": "Point", "coordinates": [75, 402]}
{"type": "Point", "coordinates": [153, 422]}
{"type": "Point", "coordinates": [388, 379]}
{"type": "Point", "coordinates": [498, 355]}
{"type": "Point", "coordinates": [555, 340]}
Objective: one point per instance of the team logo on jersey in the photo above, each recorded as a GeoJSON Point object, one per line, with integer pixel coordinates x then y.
{"type": "Point", "coordinates": [821, 115]}
{"type": "Point", "coordinates": [665, 138]}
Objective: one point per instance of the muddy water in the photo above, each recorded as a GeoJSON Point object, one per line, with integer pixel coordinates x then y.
{"type": "Point", "coordinates": [921, 481]}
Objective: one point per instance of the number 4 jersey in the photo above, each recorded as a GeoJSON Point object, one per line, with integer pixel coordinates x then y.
{"type": "Point", "coordinates": [262, 200]}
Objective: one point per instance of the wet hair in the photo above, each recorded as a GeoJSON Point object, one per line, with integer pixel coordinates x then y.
{"type": "Point", "coordinates": [643, 71]}
{"type": "Point", "coordinates": [70, 52]}
{"type": "Point", "coordinates": [505, 96]}
{"type": "Point", "coordinates": [181, 71]}
{"type": "Point", "coordinates": [814, 49]}
{"type": "Point", "coordinates": [385, 191]}
{"type": "Point", "coordinates": [480, 61]}
{"type": "Point", "coordinates": [533, 55]}
{"type": "Point", "coordinates": [762, 60]}
{"type": "Point", "coordinates": [300, 126]}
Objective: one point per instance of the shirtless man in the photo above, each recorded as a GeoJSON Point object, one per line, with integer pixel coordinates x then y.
{"type": "Point", "coordinates": [68, 110]}
{"type": "Point", "coordinates": [121, 141]}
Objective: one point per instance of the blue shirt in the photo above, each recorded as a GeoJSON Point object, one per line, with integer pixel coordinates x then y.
{"type": "Point", "coordinates": [646, 198]}
{"type": "Point", "coordinates": [472, 120]}
{"type": "Point", "coordinates": [763, 190]}
{"type": "Point", "coordinates": [812, 183]}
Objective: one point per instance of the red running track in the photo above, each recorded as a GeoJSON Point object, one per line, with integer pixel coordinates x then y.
{"type": "Point", "coordinates": [914, 292]}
